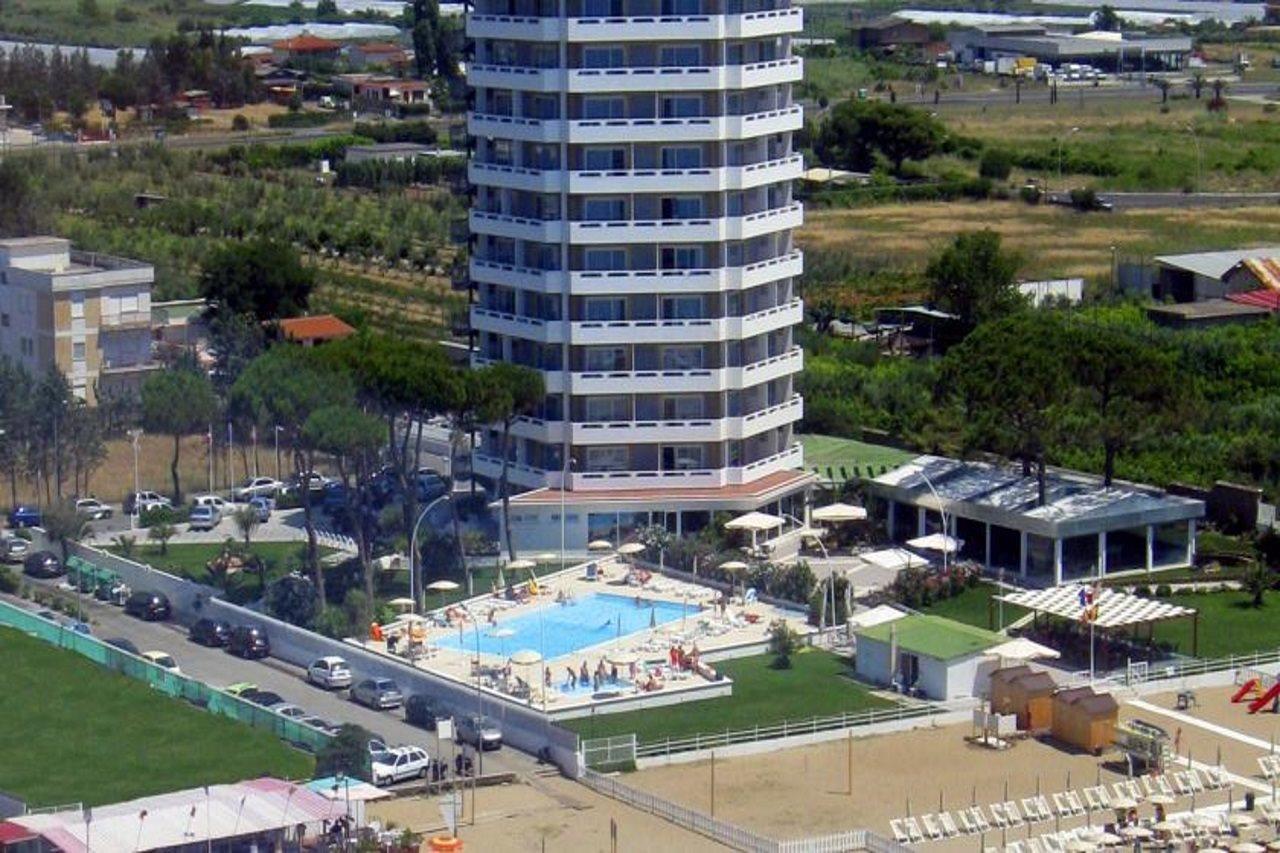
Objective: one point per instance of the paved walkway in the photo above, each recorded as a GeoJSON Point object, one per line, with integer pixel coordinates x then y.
{"type": "Point", "coordinates": [1189, 720]}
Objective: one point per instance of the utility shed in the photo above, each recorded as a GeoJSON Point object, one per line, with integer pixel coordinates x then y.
{"type": "Point", "coordinates": [1085, 719]}
{"type": "Point", "coordinates": [927, 655]}
{"type": "Point", "coordinates": [1025, 692]}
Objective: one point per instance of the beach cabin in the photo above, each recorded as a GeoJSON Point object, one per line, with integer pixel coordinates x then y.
{"type": "Point", "coordinates": [1085, 719]}
{"type": "Point", "coordinates": [927, 655]}
{"type": "Point", "coordinates": [1026, 693]}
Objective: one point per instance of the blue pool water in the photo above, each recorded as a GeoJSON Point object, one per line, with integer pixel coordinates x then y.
{"type": "Point", "coordinates": [556, 630]}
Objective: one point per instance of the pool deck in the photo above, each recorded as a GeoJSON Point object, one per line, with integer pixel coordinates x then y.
{"type": "Point", "coordinates": [712, 631]}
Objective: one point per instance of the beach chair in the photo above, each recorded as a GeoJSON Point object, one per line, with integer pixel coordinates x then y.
{"type": "Point", "coordinates": [1104, 797]}
{"type": "Point", "coordinates": [979, 819]}
{"type": "Point", "coordinates": [1197, 783]}
{"type": "Point", "coordinates": [966, 822]}
{"type": "Point", "coordinates": [998, 815]}
{"type": "Point", "coordinates": [1052, 842]}
{"type": "Point", "coordinates": [1013, 847]}
{"type": "Point", "coordinates": [1011, 812]}
{"type": "Point", "coordinates": [1031, 810]}
{"type": "Point", "coordinates": [931, 826]}
{"type": "Point", "coordinates": [1215, 778]}
{"type": "Point", "coordinates": [1181, 781]}
{"type": "Point", "coordinates": [1061, 804]}
{"type": "Point", "coordinates": [1165, 786]}
{"type": "Point", "coordinates": [949, 827]}
{"type": "Point", "coordinates": [899, 831]}
{"type": "Point", "coordinates": [1091, 799]}
{"type": "Point", "coordinates": [913, 830]}
{"type": "Point", "coordinates": [1034, 846]}
{"type": "Point", "coordinates": [1120, 791]}
{"type": "Point", "coordinates": [1073, 798]}
{"type": "Point", "coordinates": [1042, 802]}
{"type": "Point", "coordinates": [1149, 785]}
{"type": "Point", "coordinates": [1134, 789]}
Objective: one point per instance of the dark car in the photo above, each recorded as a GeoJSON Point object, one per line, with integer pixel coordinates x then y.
{"type": "Point", "coordinates": [124, 645]}
{"type": "Point", "coordinates": [422, 710]}
{"type": "Point", "coordinates": [24, 516]}
{"type": "Point", "coordinates": [210, 632]}
{"type": "Point", "coordinates": [431, 486]}
{"type": "Point", "coordinates": [43, 564]}
{"type": "Point", "coordinates": [151, 606]}
{"type": "Point", "coordinates": [265, 698]}
{"type": "Point", "coordinates": [481, 732]}
{"type": "Point", "coordinates": [377, 693]}
{"type": "Point", "coordinates": [249, 642]}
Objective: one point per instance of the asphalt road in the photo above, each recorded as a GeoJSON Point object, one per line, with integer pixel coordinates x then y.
{"type": "Point", "coordinates": [217, 668]}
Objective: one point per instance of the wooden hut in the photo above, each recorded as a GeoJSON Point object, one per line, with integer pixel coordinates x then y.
{"type": "Point", "coordinates": [1026, 692]}
{"type": "Point", "coordinates": [1085, 719]}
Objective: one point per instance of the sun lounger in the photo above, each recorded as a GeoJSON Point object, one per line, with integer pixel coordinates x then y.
{"type": "Point", "coordinates": [1052, 843]}
{"type": "Point", "coordinates": [1011, 812]}
{"type": "Point", "coordinates": [1042, 802]}
{"type": "Point", "coordinates": [1184, 785]}
{"type": "Point", "coordinates": [1104, 796]}
{"type": "Point", "coordinates": [1197, 784]}
{"type": "Point", "coordinates": [1073, 798]}
{"type": "Point", "coordinates": [948, 825]}
{"type": "Point", "coordinates": [913, 830]}
{"type": "Point", "coordinates": [1215, 777]}
{"type": "Point", "coordinates": [966, 822]}
{"type": "Point", "coordinates": [1061, 804]}
{"type": "Point", "coordinates": [931, 826]}
{"type": "Point", "coordinates": [998, 815]}
{"type": "Point", "coordinates": [1091, 799]}
{"type": "Point", "coordinates": [1165, 786]}
{"type": "Point", "coordinates": [1034, 846]}
{"type": "Point", "coordinates": [979, 818]}
{"type": "Point", "coordinates": [899, 831]}
{"type": "Point", "coordinates": [1031, 810]}
{"type": "Point", "coordinates": [1013, 847]}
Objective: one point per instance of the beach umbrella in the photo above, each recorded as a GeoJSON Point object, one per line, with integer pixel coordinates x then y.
{"type": "Point", "coordinates": [502, 579]}
{"type": "Point", "coordinates": [755, 522]}
{"type": "Point", "coordinates": [1240, 819]}
{"type": "Point", "coordinates": [623, 658]}
{"type": "Point", "coordinates": [1203, 821]}
{"type": "Point", "coordinates": [501, 635]}
{"type": "Point", "coordinates": [546, 557]}
{"type": "Point", "coordinates": [599, 545]}
{"type": "Point", "coordinates": [838, 512]}
{"type": "Point", "coordinates": [525, 657]}
{"type": "Point", "coordinates": [401, 603]}
{"type": "Point", "coordinates": [1161, 800]}
{"type": "Point", "coordinates": [630, 548]}
{"type": "Point", "coordinates": [519, 565]}
{"type": "Point", "coordinates": [1124, 803]}
{"type": "Point", "coordinates": [1274, 846]}
{"type": "Point", "coordinates": [1080, 845]}
{"type": "Point", "coordinates": [1136, 832]}
{"type": "Point", "coordinates": [1248, 847]}
{"type": "Point", "coordinates": [936, 542]}
{"type": "Point", "coordinates": [1106, 839]}
{"type": "Point", "coordinates": [442, 586]}
{"type": "Point", "coordinates": [733, 567]}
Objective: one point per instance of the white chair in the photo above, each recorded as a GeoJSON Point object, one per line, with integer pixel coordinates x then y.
{"type": "Point", "coordinates": [1052, 842]}
{"type": "Point", "coordinates": [1042, 802]}
{"type": "Point", "coordinates": [1013, 847]}
{"type": "Point", "coordinates": [1197, 784]}
{"type": "Point", "coordinates": [948, 825]}
{"type": "Point", "coordinates": [1165, 787]}
{"type": "Point", "coordinates": [1034, 846]}
{"type": "Point", "coordinates": [1120, 791]}
{"type": "Point", "coordinates": [1073, 798]}
{"type": "Point", "coordinates": [1215, 777]}
{"type": "Point", "coordinates": [1149, 785]}
{"type": "Point", "coordinates": [1104, 797]}
{"type": "Point", "coordinates": [931, 826]}
{"type": "Point", "coordinates": [979, 818]}
{"type": "Point", "coordinates": [913, 830]}
{"type": "Point", "coordinates": [1061, 804]}
{"type": "Point", "coordinates": [1091, 799]}
{"type": "Point", "coordinates": [1011, 812]}
{"type": "Point", "coordinates": [1184, 786]}
{"type": "Point", "coordinates": [966, 822]}
{"type": "Point", "coordinates": [998, 815]}
{"type": "Point", "coordinates": [1031, 810]}
{"type": "Point", "coordinates": [1134, 789]}
{"type": "Point", "coordinates": [899, 831]}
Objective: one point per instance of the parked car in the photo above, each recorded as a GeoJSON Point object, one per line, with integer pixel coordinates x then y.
{"type": "Point", "coordinates": [256, 487]}
{"type": "Point", "coordinates": [422, 710]}
{"type": "Point", "coordinates": [151, 606]}
{"type": "Point", "coordinates": [334, 497]}
{"type": "Point", "coordinates": [316, 482]}
{"type": "Point", "coordinates": [320, 724]}
{"type": "Point", "coordinates": [290, 710]}
{"type": "Point", "coordinates": [164, 660]}
{"type": "Point", "coordinates": [93, 509]}
{"type": "Point", "coordinates": [265, 698]}
{"type": "Point", "coordinates": [43, 564]}
{"type": "Point", "coordinates": [13, 549]}
{"type": "Point", "coordinates": [479, 731]}
{"type": "Point", "coordinates": [216, 501]}
{"type": "Point", "coordinates": [431, 486]}
{"type": "Point", "coordinates": [403, 762]}
{"type": "Point", "coordinates": [210, 632]}
{"type": "Point", "coordinates": [240, 688]}
{"type": "Point", "coordinates": [204, 518]}
{"type": "Point", "coordinates": [24, 516]}
{"type": "Point", "coordinates": [249, 642]}
{"type": "Point", "coordinates": [124, 645]}
{"type": "Point", "coordinates": [377, 693]}
{"type": "Point", "coordinates": [140, 502]}
{"type": "Point", "coordinates": [263, 507]}
{"type": "Point", "coordinates": [330, 672]}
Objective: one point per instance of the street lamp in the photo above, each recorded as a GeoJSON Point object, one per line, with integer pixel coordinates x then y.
{"type": "Point", "coordinates": [1195, 138]}
{"type": "Point", "coordinates": [276, 432]}
{"type": "Point", "coordinates": [135, 435]}
{"type": "Point", "coordinates": [413, 549]}
{"type": "Point", "coordinates": [946, 528]}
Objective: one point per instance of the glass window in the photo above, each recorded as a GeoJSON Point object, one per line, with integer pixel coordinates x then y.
{"type": "Point", "coordinates": [681, 457]}
{"type": "Point", "coordinates": [77, 351]}
{"type": "Point", "coordinates": [683, 407]}
{"type": "Point", "coordinates": [616, 408]}
{"type": "Point", "coordinates": [602, 8]}
{"type": "Point", "coordinates": [681, 106]}
{"type": "Point", "coordinates": [1079, 557]}
{"type": "Point", "coordinates": [606, 259]}
{"type": "Point", "coordinates": [682, 7]}
{"type": "Point", "coordinates": [500, 151]}
{"type": "Point", "coordinates": [683, 157]}
{"type": "Point", "coordinates": [680, 55]}
{"type": "Point", "coordinates": [611, 56]}
{"type": "Point", "coordinates": [607, 458]}
{"type": "Point", "coordinates": [606, 358]}
{"type": "Point", "coordinates": [682, 207]}
{"type": "Point", "coordinates": [681, 358]}
{"type": "Point", "coordinates": [681, 307]}
{"type": "Point", "coordinates": [1169, 544]}
{"type": "Point", "coordinates": [604, 107]}
{"type": "Point", "coordinates": [682, 258]}
{"type": "Point", "coordinates": [606, 309]}
{"type": "Point", "coordinates": [77, 305]}
{"type": "Point", "coordinates": [604, 209]}
{"type": "Point", "coordinates": [604, 158]}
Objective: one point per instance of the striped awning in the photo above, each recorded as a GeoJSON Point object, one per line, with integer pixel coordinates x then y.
{"type": "Point", "coordinates": [1114, 609]}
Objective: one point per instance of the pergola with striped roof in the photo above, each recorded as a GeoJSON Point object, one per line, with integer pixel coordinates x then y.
{"type": "Point", "coordinates": [1115, 609]}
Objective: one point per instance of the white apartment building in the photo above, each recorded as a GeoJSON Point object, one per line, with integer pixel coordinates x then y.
{"type": "Point", "coordinates": [631, 234]}
{"type": "Point", "coordinates": [88, 315]}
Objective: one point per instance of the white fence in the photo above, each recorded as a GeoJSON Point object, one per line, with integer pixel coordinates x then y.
{"type": "Point", "coordinates": [612, 752]}
{"type": "Point", "coordinates": [1193, 666]}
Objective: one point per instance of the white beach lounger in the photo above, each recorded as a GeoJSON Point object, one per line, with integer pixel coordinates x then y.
{"type": "Point", "coordinates": [1062, 805]}
{"type": "Point", "coordinates": [1011, 812]}
{"type": "Point", "coordinates": [1073, 798]}
{"type": "Point", "coordinates": [1046, 813]}
{"type": "Point", "coordinates": [998, 815]}
{"type": "Point", "coordinates": [899, 831]}
{"type": "Point", "coordinates": [913, 830]}
{"type": "Point", "coordinates": [1091, 799]}
{"type": "Point", "coordinates": [979, 818]}
{"type": "Point", "coordinates": [1030, 810]}
{"type": "Point", "coordinates": [966, 822]}
{"type": "Point", "coordinates": [931, 826]}
{"type": "Point", "coordinates": [948, 825]}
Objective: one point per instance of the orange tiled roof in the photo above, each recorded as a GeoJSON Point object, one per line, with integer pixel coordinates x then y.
{"type": "Point", "coordinates": [321, 327]}
{"type": "Point", "coordinates": [306, 43]}
{"type": "Point", "coordinates": [379, 47]}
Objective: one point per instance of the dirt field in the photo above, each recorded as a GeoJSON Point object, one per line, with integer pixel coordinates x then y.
{"type": "Point", "coordinates": [805, 791]}
{"type": "Point", "coordinates": [555, 815]}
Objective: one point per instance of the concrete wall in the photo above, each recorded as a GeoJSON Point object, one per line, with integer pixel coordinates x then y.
{"type": "Point", "coordinates": [872, 661]}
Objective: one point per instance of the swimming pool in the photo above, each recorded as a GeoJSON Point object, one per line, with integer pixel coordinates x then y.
{"type": "Point", "coordinates": [556, 630]}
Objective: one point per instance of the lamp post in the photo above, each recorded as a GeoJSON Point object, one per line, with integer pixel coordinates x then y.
{"type": "Point", "coordinates": [276, 430]}
{"type": "Point", "coordinates": [134, 436]}
{"type": "Point", "coordinates": [946, 528]}
{"type": "Point", "coordinates": [413, 550]}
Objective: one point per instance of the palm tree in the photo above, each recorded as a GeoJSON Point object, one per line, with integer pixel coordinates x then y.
{"type": "Point", "coordinates": [64, 525]}
{"type": "Point", "coordinates": [1257, 578]}
{"type": "Point", "coordinates": [245, 519]}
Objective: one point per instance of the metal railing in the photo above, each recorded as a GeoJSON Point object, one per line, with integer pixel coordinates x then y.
{"type": "Point", "coordinates": [1185, 668]}
{"type": "Point", "coordinates": [786, 728]}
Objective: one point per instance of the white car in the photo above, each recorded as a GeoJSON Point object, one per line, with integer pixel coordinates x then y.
{"type": "Point", "coordinates": [93, 508]}
{"type": "Point", "coordinates": [403, 762]}
{"type": "Point", "coordinates": [204, 517]}
{"type": "Point", "coordinates": [256, 487]}
{"type": "Point", "coordinates": [293, 712]}
{"type": "Point", "coordinates": [330, 673]}
{"type": "Point", "coordinates": [147, 501]}
{"type": "Point", "coordinates": [219, 503]}
{"type": "Point", "coordinates": [164, 660]}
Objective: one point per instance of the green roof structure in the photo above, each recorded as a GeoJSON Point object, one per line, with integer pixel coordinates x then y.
{"type": "Point", "coordinates": [933, 636]}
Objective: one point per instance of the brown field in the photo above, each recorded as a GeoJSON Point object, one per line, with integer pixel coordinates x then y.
{"type": "Point", "coordinates": [1053, 241]}
{"type": "Point", "coordinates": [806, 791]}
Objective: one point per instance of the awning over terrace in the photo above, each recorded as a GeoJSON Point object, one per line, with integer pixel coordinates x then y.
{"type": "Point", "coordinates": [1105, 608]}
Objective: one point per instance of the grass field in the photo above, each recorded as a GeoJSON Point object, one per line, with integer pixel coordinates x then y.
{"type": "Point", "coordinates": [817, 684]}
{"type": "Point", "coordinates": [971, 607]}
{"type": "Point", "coordinates": [1229, 624]}
{"type": "Point", "coordinates": [829, 451]}
{"type": "Point", "coordinates": [75, 732]}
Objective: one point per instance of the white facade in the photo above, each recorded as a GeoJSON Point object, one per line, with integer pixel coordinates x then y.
{"type": "Point", "coordinates": [632, 237]}
{"type": "Point", "coordinates": [959, 678]}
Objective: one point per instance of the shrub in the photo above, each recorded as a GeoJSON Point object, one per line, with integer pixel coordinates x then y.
{"type": "Point", "coordinates": [8, 581]}
{"type": "Point", "coordinates": [996, 164]}
{"type": "Point", "coordinates": [164, 515]}
{"type": "Point", "coordinates": [1164, 591]}
{"type": "Point", "coordinates": [239, 122]}
{"type": "Point", "coordinates": [1084, 199]}
{"type": "Point", "coordinates": [1143, 591]}
{"type": "Point", "coordinates": [783, 642]}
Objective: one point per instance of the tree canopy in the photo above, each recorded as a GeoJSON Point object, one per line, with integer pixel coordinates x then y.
{"type": "Point", "coordinates": [975, 278]}
{"type": "Point", "coordinates": [262, 279]}
{"type": "Point", "coordinates": [178, 402]}
{"type": "Point", "coordinates": [857, 132]}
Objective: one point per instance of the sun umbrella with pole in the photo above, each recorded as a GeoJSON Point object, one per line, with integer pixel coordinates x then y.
{"type": "Point", "coordinates": [630, 549]}
{"type": "Point", "coordinates": [733, 567]}
{"type": "Point", "coordinates": [401, 604]}
{"type": "Point", "coordinates": [501, 635]}
{"type": "Point", "coordinates": [442, 586]}
{"type": "Point", "coordinates": [839, 512]}
{"type": "Point", "coordinates": [526, 657]}
{"type": "Point", "coordinates": [599, 545]}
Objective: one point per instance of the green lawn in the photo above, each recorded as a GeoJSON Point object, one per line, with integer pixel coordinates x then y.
{"type": "Point", "coordinates": [829, 451]}
{"type": "Point", "coordinates": [818, 684]}
{"type": "Point", "coordinates": [1229, 625]}
{"type": "Point", "coordinates": [971, 608]}
{"type": "Point", "coordinates": [76, 732]}
{"type": "Point", "coordinates": [191, 560]}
